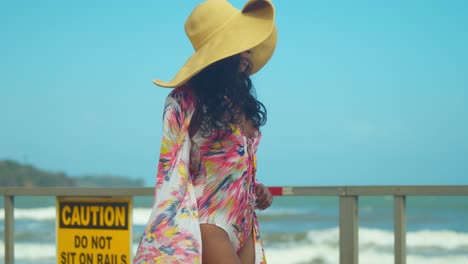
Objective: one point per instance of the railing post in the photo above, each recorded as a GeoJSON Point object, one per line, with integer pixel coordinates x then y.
{"type": "Point", "coordinates": [399, 209]}
{"type": "Point", "coordinates": [349, 246]}
{"type": "Point", "coordinates": [9, 229]}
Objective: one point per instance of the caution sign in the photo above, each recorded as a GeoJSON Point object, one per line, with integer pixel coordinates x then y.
{"type": "Point", "coordinates": [93, 231]}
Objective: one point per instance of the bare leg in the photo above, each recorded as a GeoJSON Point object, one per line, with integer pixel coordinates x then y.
{"type": "Point", "coordinates": [247, 252]}
{"type": "Point", "coordinates": [216, 246]}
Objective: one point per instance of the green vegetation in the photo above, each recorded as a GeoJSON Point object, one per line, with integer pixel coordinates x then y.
{"type": "Point", "coordinates": [106, 180]}
{"type": "Point", "coordinates": [13, 173]}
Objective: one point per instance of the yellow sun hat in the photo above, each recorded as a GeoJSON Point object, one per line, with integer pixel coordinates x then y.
{"type": "Point", "coordinates": [218, 30]}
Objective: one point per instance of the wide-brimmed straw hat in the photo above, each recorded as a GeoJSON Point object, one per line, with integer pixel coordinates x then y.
{"type": "Point", "coordinates": [218, 30]}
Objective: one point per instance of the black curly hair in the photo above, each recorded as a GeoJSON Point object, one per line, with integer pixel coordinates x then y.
{"type": "Point", "coordinates": [224, 96]}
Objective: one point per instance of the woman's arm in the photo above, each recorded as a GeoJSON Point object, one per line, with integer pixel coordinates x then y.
{"type": "Point", "coordinates": [172, 234]}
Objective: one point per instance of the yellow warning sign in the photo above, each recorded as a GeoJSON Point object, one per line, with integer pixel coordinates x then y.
{"type": "Point", "coordinates": [93, 230]}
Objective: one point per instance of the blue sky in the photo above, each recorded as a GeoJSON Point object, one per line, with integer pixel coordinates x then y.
{"type": "Point", "coordinates": [358, 93]}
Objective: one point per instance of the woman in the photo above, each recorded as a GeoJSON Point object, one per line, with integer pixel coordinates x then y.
{"type": "Point", "coordinates": [206, 192]}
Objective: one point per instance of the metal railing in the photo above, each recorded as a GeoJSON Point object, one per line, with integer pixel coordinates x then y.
{"type": "Point", "coordinates": [348, 209]}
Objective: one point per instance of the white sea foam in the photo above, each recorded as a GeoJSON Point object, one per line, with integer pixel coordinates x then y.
{"type": "Point", "coordinates": [32, 251]}
{"type": "Point", "coordinates": [28, 253]}
{"type": "Point", "coordinates": [323, 254]}
{"type": "Point", "coordinates": [319, 246]}
{"type": "Point", "coordinates": [302, 253]}
{"type": "Point", "coordinates": [375, 246]}
{"type": "Point", "coordinates": [377, 238]}
{"type": "Point", "coordinates": [38, 214]}
{"type": "Point", "coordinates": [140, 216]}
{"type": "Point", "coordinates": [429, 239]}
{"type": "Point", "coordinates": [329, 236]}
{"type": "Point", "coordinates": [445, 239]}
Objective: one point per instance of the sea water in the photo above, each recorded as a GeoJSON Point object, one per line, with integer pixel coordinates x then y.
{"type": "Point", "coordinates": [294, 229]}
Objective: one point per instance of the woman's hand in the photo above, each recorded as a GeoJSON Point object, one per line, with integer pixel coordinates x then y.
{"type": "Point", "coordinates": [264, 197]}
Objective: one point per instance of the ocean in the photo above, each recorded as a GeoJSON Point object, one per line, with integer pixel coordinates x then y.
{"type": "Point", "coordinates": [296, 230]}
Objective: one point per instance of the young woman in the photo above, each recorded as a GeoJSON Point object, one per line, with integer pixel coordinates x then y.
{"type": "Point", "coordinates": [206, 192]}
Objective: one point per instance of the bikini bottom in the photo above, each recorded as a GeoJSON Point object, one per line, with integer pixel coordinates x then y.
{"type": "Point", "coordinates": [235, 233]}
{"type": "Point", "coordinates": [238, 238]}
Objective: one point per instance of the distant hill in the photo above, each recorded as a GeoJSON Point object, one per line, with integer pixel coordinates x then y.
{"type": "Point", "coordinates": [106, 180]}
{"type": "Point", "coordinates": [13, 173]}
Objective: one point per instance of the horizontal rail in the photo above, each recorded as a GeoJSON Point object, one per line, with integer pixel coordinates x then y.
{"type": "Point", "coordinates": [434, 190]}
{"type": "Point", "coordinates": [77, 191]}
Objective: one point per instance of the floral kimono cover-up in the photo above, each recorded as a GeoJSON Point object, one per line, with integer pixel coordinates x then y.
{"type": "Point", "coordinates": [221, 192]}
